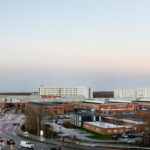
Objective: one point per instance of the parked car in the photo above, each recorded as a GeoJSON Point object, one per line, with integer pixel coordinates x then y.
{"type": "Point", "coordinates": [11, 142]}
{"type": "Point", "coordinates": [56, 148]}
{"type": "Point", "coordinates": [27, 144]}
{"type": "Point", "coordinates": [131, 135]}
{"type": "Point", "coordinates": [26, 134]}
{"type": "Point", "coordinates": [1, 139]}
{"type": "Point", "coordinates": [125, 136]}
{"type": "Point", "coordinates": [131, 141]}
{"type": "Point", "coordinates": [115, 137]}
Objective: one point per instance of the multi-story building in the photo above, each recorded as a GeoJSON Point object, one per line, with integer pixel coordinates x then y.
{"type": "Point", "coordinates": [130, 93]}
{"type": "Point", "coordinates": [85, 92]}
{"type": "Point", "coordinates": [133, 93]}
{"type": "Point", "coordinates": [143, 92]}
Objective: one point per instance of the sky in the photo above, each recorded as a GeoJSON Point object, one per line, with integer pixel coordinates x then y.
{"type": "Point", "coordinates": [104, 44]}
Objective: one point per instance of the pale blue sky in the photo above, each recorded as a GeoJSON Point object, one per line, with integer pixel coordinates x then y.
{"type": "Point", "coordinates": [98, 43]}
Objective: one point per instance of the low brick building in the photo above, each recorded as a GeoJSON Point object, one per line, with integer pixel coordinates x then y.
{"type": "Point", "coordinates": [104, 128]}
{"type": "Point", "coordinates": [118, 107]}
{"type": "Point", "coordinates": [136, 126]}
{"type": "Point", "coordinates": [110, 107]}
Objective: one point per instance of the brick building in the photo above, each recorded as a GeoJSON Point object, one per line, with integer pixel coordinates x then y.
{"type": "Point", "coordinates": [135, 126]}
{"type": "Point", "coordinates": [118, 107]}
{"type": "Point", "coordinates": [104, 128]}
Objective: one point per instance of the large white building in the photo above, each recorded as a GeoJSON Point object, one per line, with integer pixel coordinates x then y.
{"type": "Point", "coordinates": [133, 93]}
{"type": "Point", "coordinates": [85, 92]}
{"type": "Point", "coordinates": [143, 92]}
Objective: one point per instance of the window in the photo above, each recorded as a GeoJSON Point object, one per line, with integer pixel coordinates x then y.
{"type": "Point", "coordinates": [121, 130]}
{"type": "Point", "coordinates": [97, 129]}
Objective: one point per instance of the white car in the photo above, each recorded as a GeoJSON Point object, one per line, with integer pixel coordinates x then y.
{"type": "Point", "coordinates": [27, 144]}
{"type": "Point", "coordinates": [26, 133]}
{"type": "Point", "coordinates": [125, 136]}
{"type": "Point", "coordinates": [131, 141]}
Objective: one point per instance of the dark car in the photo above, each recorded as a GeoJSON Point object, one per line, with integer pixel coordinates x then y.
{"type": "Point", "coordinates": [115, 137]}
{"type": "Point", "coordinates": [56, 148]}
{"type": "Point", "coordinates": [53, 148]}
{"type": "Point", "coordinates": [1, 140]}
{"type": "Point", "coordinates": [14, 124]}
{"type": "Point", "coordinates": [11, 142]}
{"type": "Point", "coordinates": [131, 135]}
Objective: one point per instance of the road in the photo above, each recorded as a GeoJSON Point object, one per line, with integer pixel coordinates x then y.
{"type": "Point", "coordinates": [8, 131]}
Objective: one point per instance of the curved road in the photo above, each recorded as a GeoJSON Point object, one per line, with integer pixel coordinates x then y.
{"type": "Point", "coordinates": [8, 131]}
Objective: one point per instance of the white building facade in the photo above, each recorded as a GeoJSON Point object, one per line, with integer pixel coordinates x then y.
{"type": "Point", "coordinates": [133, 93]}
{"type": "Point", "coordinates": [143, 92]}
{"type": "Point", "coordinates": [85, 92]}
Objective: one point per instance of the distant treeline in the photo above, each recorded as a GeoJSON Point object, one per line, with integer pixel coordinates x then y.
{"type": "Point", "coordinates": [103, 94]}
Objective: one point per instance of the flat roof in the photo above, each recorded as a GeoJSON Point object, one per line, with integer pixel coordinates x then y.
{"type": "Point", "coordinates": [87, 114]}
{"type": "Point", "coordinates": [106, 103]}
{"type": "Point", "coordinates": [47, 103]}
{"type": "Point", "coordinates": [106, 125]}
{"type": "Point", "coordinates": [126, 120]}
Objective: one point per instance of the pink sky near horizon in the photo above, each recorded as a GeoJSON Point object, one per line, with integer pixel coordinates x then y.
{"type": "Point", "coordinates": [98, 43]}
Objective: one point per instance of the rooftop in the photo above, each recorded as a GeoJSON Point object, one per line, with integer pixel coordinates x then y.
{"type": "Point", "coordinates": [106, 125]}
{"type": "Point", "coordinates": [47, 103]}
{"type": "Point", "coordinates": [126, 120]}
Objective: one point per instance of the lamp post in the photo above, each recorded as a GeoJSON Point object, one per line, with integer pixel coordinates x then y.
{"type": "Point", "coordinates": [60, 129]}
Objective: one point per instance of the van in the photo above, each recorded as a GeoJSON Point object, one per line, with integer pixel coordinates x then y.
{"type": "Point", "coordinates": [27, 144]}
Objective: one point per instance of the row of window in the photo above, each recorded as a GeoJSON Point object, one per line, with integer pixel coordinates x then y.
{"type": "Point", "coordinates": [109, 131]}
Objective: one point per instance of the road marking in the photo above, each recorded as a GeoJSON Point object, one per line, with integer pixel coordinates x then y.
{"type": "Point", "coordinates": [7, 129]}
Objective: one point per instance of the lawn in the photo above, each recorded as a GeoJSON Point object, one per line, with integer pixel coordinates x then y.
{"type": "Point", "coordinates": [96, 136]}
{"type": "Point", "coordinates": [92, 135]}
{"type": "Point", "coordinates": [16, 111]}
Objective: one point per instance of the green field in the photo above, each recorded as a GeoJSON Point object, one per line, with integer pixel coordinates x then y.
{"type": "Point", "coordinates": [96, 136]}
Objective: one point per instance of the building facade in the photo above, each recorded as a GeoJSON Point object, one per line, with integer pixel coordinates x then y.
{"type": "Point", "coordinates": [79, 118]}
{"type": "Point", "coordinates": [143, 92]}
{"type": "Point", "coordinates": [104, 128]}
{"type": "Point", "coordinates": [85, 92]}
{"type": "Point", "coordinates": [132, 93]}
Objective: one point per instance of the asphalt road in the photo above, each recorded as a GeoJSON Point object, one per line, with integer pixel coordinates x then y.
{"type": "Point", "coordinates": [8, 131]}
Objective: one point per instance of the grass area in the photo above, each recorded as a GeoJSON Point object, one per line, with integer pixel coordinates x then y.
{"type": "Point", "coordinates": [92, 135]}
{"type": "Point", "coordinates": [31, 139]}
{"type": "Point", "coordinates": [16, 111]}
{"type": "Point", "coordinates": [70, 125]}
{"type": "Point", "coordinates": [1, 114]}
{"type": "Point", "coordinates": [27, 138]}
{"type": "Point", "coordinates": [96, 136]}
